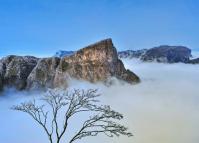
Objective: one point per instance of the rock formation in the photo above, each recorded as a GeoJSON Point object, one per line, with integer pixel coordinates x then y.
{"type": "Point", "coordinates": [14, 70]}
{"type": "Point", "coordinates": [168, 54]}
{"type": "Point", "coordinates": [194, 61]}
{"type": "Point", "coordinates": [96, 62]}
{"type": "Point", "coordinates": [43, 74]}
{"type": "Point", "coordinates": [162, 54]}
{"type": "Point", "coordinates": [93, 63]}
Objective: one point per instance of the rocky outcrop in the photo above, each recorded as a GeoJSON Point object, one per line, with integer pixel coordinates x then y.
{"type": "Point", "coordinates": [97, 62]}
{"type": "Point", "coordinates": [168, 54]}
{"type": "Point", "coordinates": [94, 63]}
{"type": "Point", "coordinates": [14, 70]}
{"type": "Point", "coordinates": [194, 61]}
{"type": "Point", "coordinates": [43, 74]}
{"type": "Point", "coordinates": [130, 54]}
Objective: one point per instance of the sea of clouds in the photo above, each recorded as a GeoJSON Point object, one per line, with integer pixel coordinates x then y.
{"type": "Point", "coordinates": [163, 108]}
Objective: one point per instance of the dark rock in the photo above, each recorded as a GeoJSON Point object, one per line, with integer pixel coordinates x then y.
{"type": "Point", "coordinates": [43, 74]}
{"type": "Point", "coordinates": [1, 83]}
{"type": "Point", "coordinates": [2, 73]}
{"type": "Point", "coordinates": [14, 70]}
{"type": "Point", "coordinates": [167, 54]}
{"type": "Point", "coordinates": [194, 61]}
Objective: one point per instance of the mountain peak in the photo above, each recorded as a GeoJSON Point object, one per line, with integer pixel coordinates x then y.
{"type": "Point", "coordinates": [96, 62]}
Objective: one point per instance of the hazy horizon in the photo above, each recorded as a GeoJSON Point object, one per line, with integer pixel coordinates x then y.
{"type": "Point", "coordinates": [195, 52]}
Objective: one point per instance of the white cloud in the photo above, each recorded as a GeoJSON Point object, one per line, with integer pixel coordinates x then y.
{"type": "Point", "coordinates": [163, 108]}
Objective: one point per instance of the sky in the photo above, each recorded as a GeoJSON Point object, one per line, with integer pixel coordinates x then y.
{"type": "Point", "coordinates": [42, 27]}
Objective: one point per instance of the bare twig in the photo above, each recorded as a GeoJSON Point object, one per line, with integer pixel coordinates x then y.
{"type": "Point", "coordinates": [78, 101]}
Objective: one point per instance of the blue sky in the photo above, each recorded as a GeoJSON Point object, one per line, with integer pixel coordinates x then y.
{"type": "Point", "coordinates": [41, 27]}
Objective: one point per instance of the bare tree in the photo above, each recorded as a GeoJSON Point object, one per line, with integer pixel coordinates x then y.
{"type": "Point", "coordinates": [102, 120]}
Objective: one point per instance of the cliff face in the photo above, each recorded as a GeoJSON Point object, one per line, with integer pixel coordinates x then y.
{"type": "Point", "coordinates": [43, 74]}
{"type": "Point", "coordinates": [14, 71]}
{"type": "Point", "coordinates": [93, 63]}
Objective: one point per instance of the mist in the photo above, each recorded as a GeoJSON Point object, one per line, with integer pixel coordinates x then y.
{"type": "Point", "coordinates": [163, 108]}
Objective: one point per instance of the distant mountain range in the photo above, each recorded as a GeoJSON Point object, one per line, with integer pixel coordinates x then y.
{"type": "Point", "coordinates": [97, 62]}
{"type": "Point", "coordinates": [161, 54]}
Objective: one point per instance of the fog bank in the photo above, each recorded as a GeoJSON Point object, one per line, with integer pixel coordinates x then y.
{"type": "Point", "coordinates": [163, 108]}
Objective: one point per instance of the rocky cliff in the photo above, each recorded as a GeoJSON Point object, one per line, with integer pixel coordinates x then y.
{"type": "Point", "coordinates": [43, 73]}
{"type": "Point", "coordinates": [96, 62]}
{"type": "Point", "coordinates": [14, 71]}
{"type": "Point", "coordinates": [168, 54]}
{"type": "Point", "coordinates": [93, 63]}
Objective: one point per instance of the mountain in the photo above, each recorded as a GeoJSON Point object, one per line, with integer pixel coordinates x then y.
{"type": "Point", "coordinates": [96, 62]}
{"type": "Point", "coordinates": [14, 70]}
{"type": "Point", "coordinates": [162, 54]}
{"type": "Point", "coordinates": [167, 54]}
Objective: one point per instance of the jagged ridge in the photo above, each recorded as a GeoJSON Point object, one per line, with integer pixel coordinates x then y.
{"type": "Point", "coordinates": [96, 62]}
